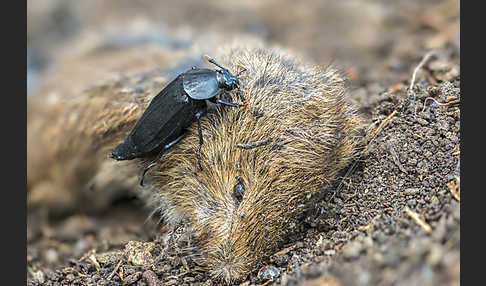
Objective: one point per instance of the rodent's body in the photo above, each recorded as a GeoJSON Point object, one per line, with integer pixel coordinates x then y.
{"type": "Point", "coordinates": [312, 134]}
{"type": "Point", "coordinates": [242, 203]}
{"type": "Point", "coordinates": [68, 139]}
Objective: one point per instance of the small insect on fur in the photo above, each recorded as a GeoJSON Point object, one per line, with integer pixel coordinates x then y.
{"type": "Point", "coordinates": [164, 122]}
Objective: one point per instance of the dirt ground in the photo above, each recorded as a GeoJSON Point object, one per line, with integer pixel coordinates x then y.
{"type": "Point", "coordinates": [394, 219]}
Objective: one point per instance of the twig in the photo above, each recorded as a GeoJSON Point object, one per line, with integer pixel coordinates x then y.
{"type": "Point", "coordinates": [114, 270]}
{"type": "Point", "coordinates": [455, 188]}
{"type": "Point", "coordinates": [415, 216]}
{"type": "Point", "coordinates": [440, 103]}
{"type": "Point", "coordinates": [419, 66]}
{"type": "Point", "coordinates": [414, 75]}
{"type": "Point", "coordinates": [382, 124]}
{"type": "Point", "coordinates": [266, 283]}
{"type": "Point", "coordinates": [85, 256]}
{"type": "Point", "coordinates": [120, 273]}
{"type": "Point", "coordinates": [287, 249]}
{"type": "Point", "coordinates": [93, 261]}
{"type": "Point", "coordinates": [254, 144]}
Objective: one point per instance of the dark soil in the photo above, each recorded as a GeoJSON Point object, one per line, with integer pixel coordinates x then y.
{"type": "Point", "coordinates": [392, 220]}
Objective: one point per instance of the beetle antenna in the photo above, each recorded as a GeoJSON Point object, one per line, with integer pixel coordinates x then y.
{"type": "Point", "coordinates": [211, 60]}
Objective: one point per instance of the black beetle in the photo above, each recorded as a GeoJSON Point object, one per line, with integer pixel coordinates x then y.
{"type": "Point", "coordinates": [174, 109]}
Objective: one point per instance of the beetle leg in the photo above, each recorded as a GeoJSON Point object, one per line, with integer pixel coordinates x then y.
{"type": "Point", "coordinates": [146, 169]}
{"type": "Point", "coordinates": [228, 103]}
{"type": "Point", "coordinates": [154, 162]}
{"type": "Point", "coordinates": [241, 95]}
{"type": "Point", "coordinates": [198, 116]}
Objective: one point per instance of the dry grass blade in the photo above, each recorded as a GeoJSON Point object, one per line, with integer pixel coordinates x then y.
{"type": "Point", "coordinates": [420, 221]}
{"type": "Point", "coordinates": [456, 101]}
{"type": "Point", "coordinates": [414, 75]}
{"type": "Point", "coordinates": [418, 67]}
{"type": "Point", "coordinates": [114, 270]}
{"type": "Point", "coordinates": [455, 188]}
{"type": "Point", "coordinates": [288, 249]}
{"type": "Point", "coordinates": [382, 124]}
{"type": "Point", "coordinates": [254, 144]}
{"type": "Point", "coordinates": [92, 260]}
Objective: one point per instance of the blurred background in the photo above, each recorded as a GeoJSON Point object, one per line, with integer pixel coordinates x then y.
{"type": "Point", "coordinates": [366, 38]}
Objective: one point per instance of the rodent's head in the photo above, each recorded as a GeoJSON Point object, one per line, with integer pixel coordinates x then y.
{"type": "Point", "coordinates": [260, 165]}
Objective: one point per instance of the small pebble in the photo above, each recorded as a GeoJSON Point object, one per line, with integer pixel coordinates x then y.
{"type": "Point", "coordinates": [139, 253]}
{"type": "Point", "coordinates": [268, 272]}
{"type": "Point", "coordinates": [151, 278]}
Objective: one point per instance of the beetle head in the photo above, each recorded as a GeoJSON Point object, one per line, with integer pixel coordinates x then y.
{"type": "Point", "coordinates": [229, 82]}
{"type": "Point", "coordinates": [226, 80]}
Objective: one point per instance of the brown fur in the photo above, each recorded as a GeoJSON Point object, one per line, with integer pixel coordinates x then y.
{"type": "Point", "coordinates": [299, 110]}
{"type": "Point", "coordinates": [314, 133]}
{"type": "Point", "coordinates": [68, 142]}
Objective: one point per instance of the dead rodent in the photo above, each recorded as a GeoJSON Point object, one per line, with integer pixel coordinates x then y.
{"type": "Point", "coordinates": [261, 165]}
